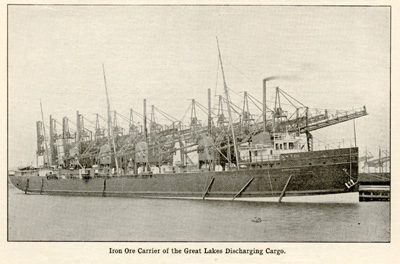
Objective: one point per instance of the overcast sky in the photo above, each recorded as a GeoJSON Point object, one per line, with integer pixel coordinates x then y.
{"type": "Point", "coordinates": [334, 58]}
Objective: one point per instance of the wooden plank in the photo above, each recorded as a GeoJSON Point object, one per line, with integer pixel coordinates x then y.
{"type": "Point", "coordinates": [244, 187]}
{"type": "Point", "coordinates": [104, 187]}
{"type": "Point", "coordinates": [208, 188]}
{"type": "Point", "coordinates": [41, 188]}
{"type": "Point", "coordinates": [27, 186]}
{"type": "Point", "coordinates": [284, 189]}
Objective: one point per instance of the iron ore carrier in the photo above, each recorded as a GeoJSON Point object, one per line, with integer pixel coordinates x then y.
{"type": "Point", "coordinates": [235, 156]}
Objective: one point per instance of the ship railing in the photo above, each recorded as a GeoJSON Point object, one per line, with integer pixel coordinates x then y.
{"type": "Point", "coordinates": [259, 158]}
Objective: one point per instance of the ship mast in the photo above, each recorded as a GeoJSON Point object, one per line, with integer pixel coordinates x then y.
{"type": "Point", "coordinates": [109, 121]}
{"type": "Point", "coordinates": [229, 108]}
{"type": "Point", "coordinates": [44, 132]}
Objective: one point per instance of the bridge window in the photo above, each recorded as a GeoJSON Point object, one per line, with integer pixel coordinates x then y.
{"type": "Point", "coordinates": [255, 153]}
{"type": "Point", "coordinates": [280, 146]}
{"type": "Point", "coordinates": [285, 145]}
{"type": "Point", "coordinates": [277, 146]}
{"type": "Point", "coordinates": [291, 145]}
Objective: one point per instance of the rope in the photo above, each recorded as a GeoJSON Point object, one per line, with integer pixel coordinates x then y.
{"type": "Point", "coordinates": [205, 109]}
{"type": "Point", "coordinates": [169, 117]}
{"type": "Point", "coordinates": [186, 112]}
{"type": "Point", "coordinates": [377, 176]}
{"type": "Point", "coordinates": [252, 97]}
{"type": "Point", "coordinates": [239, 71]}
{"type": "Point", "coordinates": [290, 97]}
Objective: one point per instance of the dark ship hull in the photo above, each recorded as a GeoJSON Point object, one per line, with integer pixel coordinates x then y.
{"type": "Point", "coordinates": [272, 160]}
{"type": "Point", "coordinates": [316, 176]}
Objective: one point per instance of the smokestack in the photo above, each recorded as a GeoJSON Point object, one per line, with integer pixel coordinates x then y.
{"type": "Point", "coordinates": [209, 111]}
{"type": "Point", "coordinates": [65, 125]}
{"type": "Point", "coordinates": [265, 104]}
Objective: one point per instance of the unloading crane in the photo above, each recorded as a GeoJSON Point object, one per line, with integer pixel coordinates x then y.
{"type": "Point", "coordinates": [314, 123]}
{"type": "Point", "coordinates": [303, 119]}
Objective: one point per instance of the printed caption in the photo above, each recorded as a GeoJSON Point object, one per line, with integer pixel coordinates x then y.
{"type": "Point", "coordinates": [194, 251]}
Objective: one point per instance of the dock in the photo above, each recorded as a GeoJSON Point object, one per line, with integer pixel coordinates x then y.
{"type": "Point", "coordinates": [374, 187]}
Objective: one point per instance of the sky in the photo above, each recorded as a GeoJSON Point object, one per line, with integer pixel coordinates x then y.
{"type": "Point", "coordinates": [327, 57]}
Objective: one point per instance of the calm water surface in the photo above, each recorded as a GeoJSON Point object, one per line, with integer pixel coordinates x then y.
{"type": "Point", "coordinates": [63, 218]}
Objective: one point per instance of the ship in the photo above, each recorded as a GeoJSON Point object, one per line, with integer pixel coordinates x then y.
{"type": "Point", "coordinates": [234, 156]}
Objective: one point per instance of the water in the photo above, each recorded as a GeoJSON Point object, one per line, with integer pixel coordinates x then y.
{"type": "Point", "coordinates": [63, 218]}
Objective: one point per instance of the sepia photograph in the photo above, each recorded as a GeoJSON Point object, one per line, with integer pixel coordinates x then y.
{"type": "Point", "coordinates": [199, 123]}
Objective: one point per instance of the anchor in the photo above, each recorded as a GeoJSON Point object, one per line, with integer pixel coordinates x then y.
{"type": "Point", "coordinates": [350, 183]}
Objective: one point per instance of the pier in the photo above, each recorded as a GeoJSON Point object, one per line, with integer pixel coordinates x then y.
{"type": "Point", "coordinates": [374, 187]}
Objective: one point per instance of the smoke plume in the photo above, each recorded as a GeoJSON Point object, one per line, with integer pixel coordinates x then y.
{"type": "Point", "coordinates": [283, 77]}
